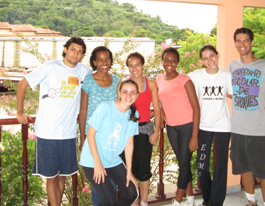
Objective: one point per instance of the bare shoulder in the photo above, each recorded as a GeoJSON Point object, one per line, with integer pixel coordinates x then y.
{"type": "Point", "coordinates": [152, 84]}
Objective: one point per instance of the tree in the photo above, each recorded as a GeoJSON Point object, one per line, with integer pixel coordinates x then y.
{"type": "Point", "coordinates": [115, 33]}
{"type": "Point", "coordinates": [85, 30]}
{"type": "Point", "coordinates": [86, 18]}
{"type": "Point", "coordinates": [254, 18]}
{"type": "Point", "coordinates": [143, 33]}
{"type": "Point", "coordinates": [214, 30]}
{"type": "Point", "coordinates": [259, 46]}
{"type": "Point", "coordinates": [129, 7]}
{"type": "Point", "coordinates": [189, 52]}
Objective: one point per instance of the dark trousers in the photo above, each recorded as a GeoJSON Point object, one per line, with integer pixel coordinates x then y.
{"type": "Point", "coordinates": [105, 190]}
{"type": "Point", "coordinates": [95, 196]}
{"type": "Point", "coordinates": [179, 137]}
{"type": "Point", "coordinates": [213, 190]}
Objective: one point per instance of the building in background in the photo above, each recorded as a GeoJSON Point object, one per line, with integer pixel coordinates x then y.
{"type": "Point", "coordinates": [27, 30]}
{"type": "Point", "coordinates": [51, 45]}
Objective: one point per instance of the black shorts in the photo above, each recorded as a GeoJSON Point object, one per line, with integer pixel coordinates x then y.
{"type": "Point", "coordinates": [247, 153]}
{"type": "Point", "coordinates": [55, 157]}
{"type": "Point", "coordinates": [142, 157]}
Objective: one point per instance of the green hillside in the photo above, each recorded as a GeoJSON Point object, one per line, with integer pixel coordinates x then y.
{"type": "Point", "coordinates": [88, 18]}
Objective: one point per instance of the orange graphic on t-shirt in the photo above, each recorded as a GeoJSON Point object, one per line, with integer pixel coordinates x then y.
{"type": "Point", "coordinates": [73, 81]}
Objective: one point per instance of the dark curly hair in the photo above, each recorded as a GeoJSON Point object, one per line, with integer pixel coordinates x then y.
{"type": "Point", "coordinates": [75, 40]}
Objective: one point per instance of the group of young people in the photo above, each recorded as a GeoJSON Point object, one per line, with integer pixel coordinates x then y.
{"type": "Point", "coordinates": [116, 134]}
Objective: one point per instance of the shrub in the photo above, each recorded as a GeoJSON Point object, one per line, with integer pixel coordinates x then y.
{"type": "Point", "coordinates": [11, 157]}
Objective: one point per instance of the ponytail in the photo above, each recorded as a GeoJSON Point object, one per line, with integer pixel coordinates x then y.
{"type": "Point", "coordinates": [132, 115]}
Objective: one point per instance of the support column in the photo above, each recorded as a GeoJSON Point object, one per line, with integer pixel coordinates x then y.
{"type": "Point", "coordinates": [17, 49]}
{"type": "Point", "coordinates": [229, 18]}
{"type": "Point", "coordinates": [54, 50]}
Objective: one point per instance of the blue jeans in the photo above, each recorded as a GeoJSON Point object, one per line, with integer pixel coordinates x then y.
{"type": "Point", "coordinates": [213, 189]}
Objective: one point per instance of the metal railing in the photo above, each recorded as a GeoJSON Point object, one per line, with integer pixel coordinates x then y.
{"type": "Point", "coordinates": [160, 195]}
{"type": "Point", "coordinates": [24, 128]}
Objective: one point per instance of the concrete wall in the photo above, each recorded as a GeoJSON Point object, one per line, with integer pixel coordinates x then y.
{"type": "Point", "coordinates": [12, 55]}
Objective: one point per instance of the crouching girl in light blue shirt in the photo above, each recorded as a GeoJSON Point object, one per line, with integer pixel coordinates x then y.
{"type": "Point", "coordinates": [112, 127]}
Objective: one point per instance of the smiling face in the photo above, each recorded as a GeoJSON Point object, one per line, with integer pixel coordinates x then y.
{"type": "Point", "coordinates": [128, 94]}
{"type": "Point", "coordinates": [103, 61]}
{"type": "Point", "coordinates": [135, 67]}
{"type": "Point", "coordinates": [73, 55]}
{"type": "Point", "coordinates": [210, 60]}
{"type": "Point", "coordinates": [170, 62]}
{"type": "Point", "coordinates": [243, 44]}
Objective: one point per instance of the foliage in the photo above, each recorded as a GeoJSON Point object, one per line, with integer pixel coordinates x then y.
{"type": "Point", "coordinates": [88, 18]}
{"type": "Point", "coordinates": [189, 53]}
{"type": "Point", "coordinates": [259, 46]}
{"type": "Point", "coordinates": [11, 157]}
{"type": "Point", "coordinates": [115, 33]}
{"type": "Point", "coordinates": [214, 30]}
{"type": "Point", "coordinates": [128, 47]}
{"type": "Point", "coordinates": [254, 18]}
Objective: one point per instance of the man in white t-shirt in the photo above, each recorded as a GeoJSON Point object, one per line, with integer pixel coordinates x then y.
{"type": "Point", "coordinates": [56, 123]}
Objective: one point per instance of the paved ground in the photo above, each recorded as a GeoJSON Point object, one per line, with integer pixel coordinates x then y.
{"type": "Point", "coordinates": [232, 199]}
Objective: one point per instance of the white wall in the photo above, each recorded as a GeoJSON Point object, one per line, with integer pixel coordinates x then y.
{"type": "Point", "coordinates": [50, 46]}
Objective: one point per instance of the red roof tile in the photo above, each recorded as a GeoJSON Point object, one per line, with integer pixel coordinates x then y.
{"type": "Point", "coordinates": [5, 25]}
{"type": "Point", "coordinates": [44, 35]}
{"type": "Point", "coordinates": [22, 27]}
{"type": "Point", "coordinates": [46, 31]}
{"type": "Point", "coordinates": [27, 28]}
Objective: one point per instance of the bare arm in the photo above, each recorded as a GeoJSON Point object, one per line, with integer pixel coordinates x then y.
{"type": "Point", "coordinates": [99, 170]}
{"type": "Point", "coordinates": [229, 96]}
{"type": "Point", "coordinates": [128, 157]}
{"type": "Point", "coordinates": [82, 117]}
{"type": "Point", "coordinates": [162, 116]}
{"type": "Point", "coordinates": [21, 92]}
{"type": "Point", "coordinates": [196, 114]}
{"type": "Point", "coordinates": [154, 137]}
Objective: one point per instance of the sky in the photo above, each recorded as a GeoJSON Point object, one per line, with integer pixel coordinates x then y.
{"type": "Point", "coordinates": [200, 18]}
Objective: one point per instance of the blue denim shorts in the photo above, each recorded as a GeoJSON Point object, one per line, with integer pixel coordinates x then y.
{"type": "Point", "coordinates": [55, 157]}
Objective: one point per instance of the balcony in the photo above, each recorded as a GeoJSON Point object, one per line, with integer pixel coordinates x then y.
{"type": "Point", "coordinates": [233, 198]}
{"type": "Point", "coordinates": [160, 194]}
